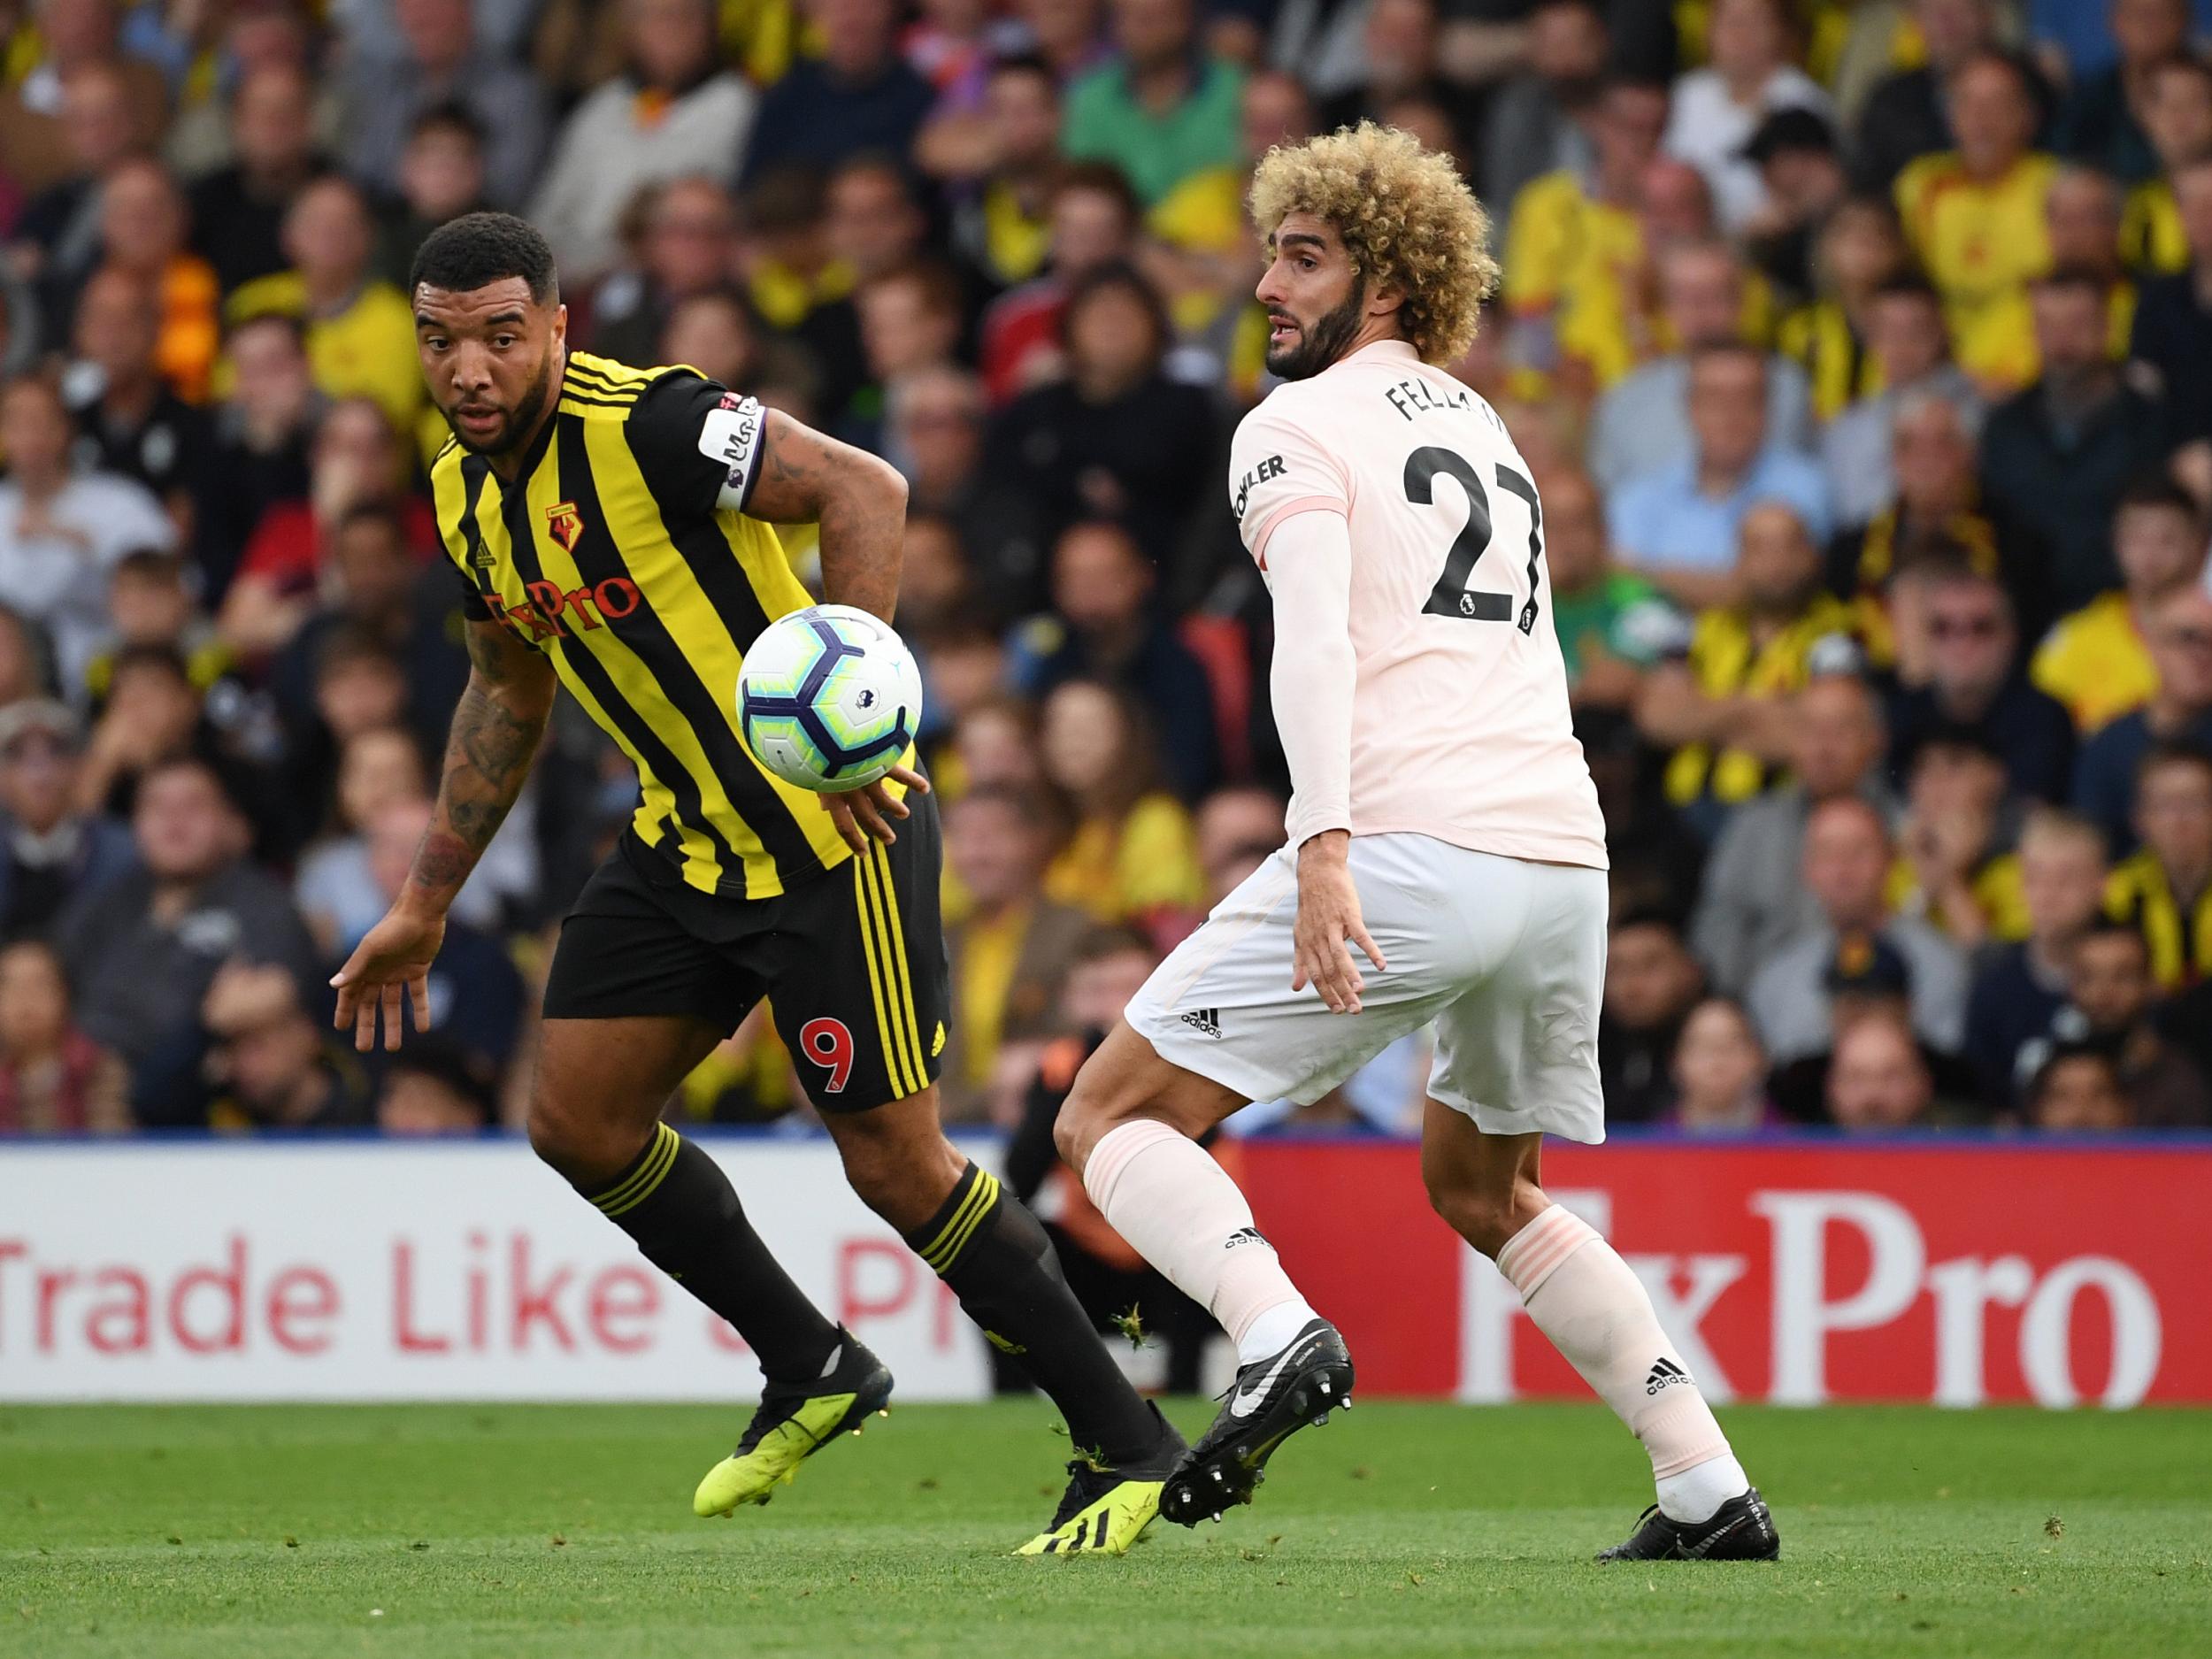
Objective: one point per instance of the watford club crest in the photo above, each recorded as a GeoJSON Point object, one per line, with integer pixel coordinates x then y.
{"type": "Point", "coordinates": [565, 524]}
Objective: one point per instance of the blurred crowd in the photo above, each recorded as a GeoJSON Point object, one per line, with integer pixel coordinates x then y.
{"type": "Point", "coordinates": [1859, 351]}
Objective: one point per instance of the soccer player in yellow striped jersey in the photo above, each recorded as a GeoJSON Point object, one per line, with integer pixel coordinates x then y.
{"type": "Point", "coordinates": [611, 527]}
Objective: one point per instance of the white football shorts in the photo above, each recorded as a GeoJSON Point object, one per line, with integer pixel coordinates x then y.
{"type": "Point", "coordinates": [1507, 956]}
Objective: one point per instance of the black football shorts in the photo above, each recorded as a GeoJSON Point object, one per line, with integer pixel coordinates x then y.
{"type": "Point", "coordinates": [852, 960]}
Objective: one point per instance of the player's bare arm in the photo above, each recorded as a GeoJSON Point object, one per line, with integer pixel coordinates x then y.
{"type": "Point", "coordinates": [496, 728]}
{"type": "Point", "coordinates": [859, 501]}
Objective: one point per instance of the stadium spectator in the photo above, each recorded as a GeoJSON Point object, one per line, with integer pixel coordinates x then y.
{"type": "Point", "coordinates": [909, 323]}
{"type": "Point", "coordinates": [55, 238]}
{"type": "Point", "coordinates": [1680, 523]}
{"type": "Point", "coordinates": [1105, 627]}
{"type": "Point", "coordinates": [54, 1080]}
{"type": "Point", "coordinates": [2111, 995]}
{"type": "Point", "coordinates": [1652, 983]}
{"type": "Point", "coordinates": [1755, 899]}
{"type": "Point", "coordinates": [2020, 986]}
{"type": "Point", "coordinates": [152, 714]}
{"type": "Point", "coordinates": [1094, 219]}
{"type": "Point", "coordinates": [150, 604]}
{"type": "Point", "coordinates": [1909, 354]}
{"type": "Point", "coordinates": [2062, 451]}
{"type": "Point", "coordinates": [2098, 122]}
{"type": "Point", "coordinates": [1974, 686]}
{"type": "Point", "coordinates": [1975, 214]}
{"type": "Point", "coordinates": [55, 855]}
{"type": "Point", "coordinates": [144, 224]}
{"type": "Point", "coordinates": [690, 249]}
{"type": "Point", "coordinates": [1807, 239]}
{"type": "Point", "coordinates": [793, 282]}
{"type": "Point", "coordinates": [1847, 865]}
{"type": "Point", "coordinates": [1938, 506]}
{"type": "Point", "coordinates": [1720, 1074]}
{"type": "Point", "coordinates": [1131, 857]}
{"type": "Point", "coordinates": [1116, 438]}
{"type": "Point", "coordinates": [873, 224]}
{"type": "Point", "coordinates": [2164, 890]}
{"type": "Point", "coordinates": [427, 1089]}
{"type": "Point", "coordinates": [2097, 660]}
{"type": "Point", "coordinates": [2173, 314]}
{"type": "Point", "coordinates": [2178, 120]}
{"type": "Point", "coordinates": [441, 177]}
{"type": "Point", "coordinates": [435, 58]}
{"type": "Point", "coordinates": [1719, 703]}
{"type": "Point", "coordinates": [1954, 868]}
{"type": "Point", "coordinates": [1003, 158]}
{"type": "Point", "coordinates": [129, 422]}
{"type": "Point", "coordinates": [63, 531]}
{"type": "Point", "coordinates": [269, 1064]}
{"type": "Point", "coordinates": [1161, 110]}
{"type": "Point", "coordinates": [1011, 947]}
{"type": "Point", "coordinates": [1534, 123]}
{"type": "Point", "coordinates": [2179, 709]}
{"type": "Point", "coordinates": [360, 330]}
{"type": "Point", "coordinates": [1238, 828]}
{"type": "Point", "coordinates": [259, 458]}
{"type": "Point", "coordinates": [1718, 109]}
{"type": "Point", "coordinates": [2077, 1089]}
{"type": "Point", "coordinates": [238, 209]}
{"type": "Point", "coordinates": [1646, 422]}
{"type": "Point", "coordinates": [358, 461]}
{"type": "Point", "coordinates": [1613, 625]}
{"type": "Point", "coordinates": [934, 421]}
{"type": "Point", "coordinates": [859, 95]}
{"type": "Point", "coordinates": [1877, 1081]}
{"type": "Point", "coordinates": [141, 953]}
{"type": "Point", "coordinates": [1575, 233]}
{"type": "Point", "coordinates": [670, 114]}
{"type": "Point", "coordinates": [1904, 116]}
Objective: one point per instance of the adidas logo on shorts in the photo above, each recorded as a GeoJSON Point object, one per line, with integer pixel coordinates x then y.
{"type": "Point", "coordinates": [1664, 1374]}
{"type": "Point", "coordinates": [1242, 1235]}
{"type": "Point", "coordinates": [1205, 1021]}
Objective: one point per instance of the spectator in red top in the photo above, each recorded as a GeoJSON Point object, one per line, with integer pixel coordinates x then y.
{"type": "Point", "coordinates": [1093, 215]}
{"type": "Point", "coordinates": [54, 1080]}
{"type": "Point", "coordinates": [358, 461]}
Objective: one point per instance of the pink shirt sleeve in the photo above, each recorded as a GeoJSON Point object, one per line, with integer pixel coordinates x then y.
{"type": "Point", "coordinates": [1315, 670]}
{"type": "Point", "coordinates": [1276, 469]}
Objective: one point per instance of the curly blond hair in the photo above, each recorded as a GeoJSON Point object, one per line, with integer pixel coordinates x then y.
{"type": "Point", "coordinates": [1407, 219]}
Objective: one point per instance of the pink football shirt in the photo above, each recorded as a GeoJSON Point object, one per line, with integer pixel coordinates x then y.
{"type": "Point", "coordinates": [1460, 723]}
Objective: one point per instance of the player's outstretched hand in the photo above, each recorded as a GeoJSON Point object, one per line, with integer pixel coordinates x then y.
{"type": "Point", "coordinates": [868, 811]}
{"type": "Point", "coordinates": [1329, 924]}
{"type": "Point", "coordinates": [393, 958]}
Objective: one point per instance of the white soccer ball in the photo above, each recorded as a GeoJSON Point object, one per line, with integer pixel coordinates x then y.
{"type": "Point", "coordinates": [829, 698]}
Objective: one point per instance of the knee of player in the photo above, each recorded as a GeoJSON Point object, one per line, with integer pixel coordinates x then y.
{"type": "Point", "coordinates": [1085, 1116]}
{"type": "Point", "coordinates": [1484, 1219]}
{"type": "Point", "coordinates": [564, 1139]}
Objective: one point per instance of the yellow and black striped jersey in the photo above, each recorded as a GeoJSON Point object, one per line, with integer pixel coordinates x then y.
{"type": "Point", "coordinates": [621, 552]}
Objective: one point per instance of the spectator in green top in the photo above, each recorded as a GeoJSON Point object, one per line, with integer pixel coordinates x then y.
{"type": "Point", "coordinates": [1161, 110]}
{"type": "Point", "coordinates": [1612, 624]}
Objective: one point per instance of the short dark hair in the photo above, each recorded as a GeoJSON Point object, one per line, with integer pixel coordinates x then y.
{"type": "Point", "coordinates": [477, 249]}
{"type": "Point", "coordinates": [1907, 285]}
{"type": "Point", "coordinates": [450, 116]}
{"type": "Point", "coordinates": [2157, 488]}
{"type": "Point", "coordinates": [2076, 278]}
{"type": "Point", "coordinates": [152, 564]}
{"type": "Point", "coordinates": [1103, 944]}
{"type": "Point", "coordinates": [148, 654]}
{"type": "Point", "coordinates": [2175, 751]}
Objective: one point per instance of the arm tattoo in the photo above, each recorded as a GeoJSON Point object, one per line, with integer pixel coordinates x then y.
{"type": "Point", "coordinates": [496, 727]}
{"type": "Point", "coordinates": [858, 500]}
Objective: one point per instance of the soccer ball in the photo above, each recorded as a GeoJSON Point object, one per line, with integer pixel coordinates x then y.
{"type": "Point", "coordinates": [829, 698]}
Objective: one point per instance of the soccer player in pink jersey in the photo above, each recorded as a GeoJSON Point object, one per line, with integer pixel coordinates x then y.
{"type": "Point", "coordinates": [1443, 823]}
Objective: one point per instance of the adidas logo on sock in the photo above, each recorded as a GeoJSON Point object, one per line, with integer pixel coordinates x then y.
{"type": "Point", "coordinates": [1242, 1235]}
{"type": "Point", "coordinates": [1664, 1374]}
{"type": "Point", "coordinates": [1205, 1021]}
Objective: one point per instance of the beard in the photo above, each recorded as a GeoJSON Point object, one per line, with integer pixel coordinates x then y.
{"type": "Point", "coordinates": [519, 422]}
{"type": "Point", "coordinates": [1323, 344]}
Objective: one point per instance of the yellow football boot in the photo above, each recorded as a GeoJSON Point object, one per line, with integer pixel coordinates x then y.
{"type": "Point", "coordinates": [794, 1421]}
{"type": "Point", "coordinates": [1107, 1506]}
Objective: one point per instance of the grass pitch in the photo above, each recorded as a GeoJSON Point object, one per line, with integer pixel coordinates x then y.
{"type": "Point", "coordinates": [509, 1532]}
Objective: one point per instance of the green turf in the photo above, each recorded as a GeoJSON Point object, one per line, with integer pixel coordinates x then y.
{"type": "Point", "coordinates": [513, 1532]}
